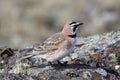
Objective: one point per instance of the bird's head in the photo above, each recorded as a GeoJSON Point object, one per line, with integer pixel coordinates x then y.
{"type": "Point", "coordinates": [71, 28]}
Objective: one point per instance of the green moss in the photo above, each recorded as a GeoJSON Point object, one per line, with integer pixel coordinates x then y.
{"type": "Point", "coordinates": [87, 58]}
{"type": "Point", "coordinates": [41, 79]}
{"type": "Point", "coordinates": [69, 78]}
{"type": "Point", "coordinates": [87, 75]}
{"type": "Point", "coordinates": [112, 56]}
{"type": "Point", "coordinates": [25, 65]}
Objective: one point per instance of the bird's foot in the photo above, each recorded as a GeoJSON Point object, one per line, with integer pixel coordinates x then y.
{"type": "Point", "coordinates": [62, 64]}
{"type": "Point", "coordinates": [57, 63]}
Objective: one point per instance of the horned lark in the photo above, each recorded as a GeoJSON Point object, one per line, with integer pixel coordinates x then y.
{"type": "Point", "coordinates": [60, 44]}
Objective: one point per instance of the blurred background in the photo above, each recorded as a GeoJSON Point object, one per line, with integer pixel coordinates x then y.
{"type": "Point", "coordinates": [27, 22]}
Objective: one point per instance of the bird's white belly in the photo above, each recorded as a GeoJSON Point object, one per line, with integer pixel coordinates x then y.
{"type": "Point", "coordinates": [63, 53]}
{"type": "Point", "coordinates": [60, 55]}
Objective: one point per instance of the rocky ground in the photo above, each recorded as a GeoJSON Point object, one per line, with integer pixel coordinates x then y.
{"type": "Point", "coordinates": [97, 58]}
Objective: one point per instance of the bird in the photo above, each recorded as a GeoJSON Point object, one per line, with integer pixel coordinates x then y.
{"type": "Point", "coordinates": [59, 45]}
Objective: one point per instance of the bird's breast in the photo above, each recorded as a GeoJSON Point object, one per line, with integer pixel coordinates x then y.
{"type": "Point", "coordinates": [73, 41]}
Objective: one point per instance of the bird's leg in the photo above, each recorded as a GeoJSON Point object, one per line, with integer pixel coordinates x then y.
{"type": "Point", "coordinates": [62, 64]}
{"type": "Point", "coordinates": [59, 63]}
{"type": "Point", "coordinates": [71, 62]}
{"type": "Point", "coordinates": [50, 63]}
{"type": "Point", "coordinates": [54, 63]}
{"type": "Point", "coordinates": [66, 59]}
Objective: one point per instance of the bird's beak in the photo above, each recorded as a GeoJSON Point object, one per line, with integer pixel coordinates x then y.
{"type": "Point", "coordinates": [78, 24]}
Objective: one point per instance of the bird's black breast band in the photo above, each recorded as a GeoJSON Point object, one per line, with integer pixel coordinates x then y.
{"type": "Point", "coordinates": [72, 36]}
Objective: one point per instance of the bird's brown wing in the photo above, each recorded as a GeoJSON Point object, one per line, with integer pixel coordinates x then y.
{"type": "Point", "coordinates": [49, 46]}
{"type": "Point", "coordinates": [52, 43]}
